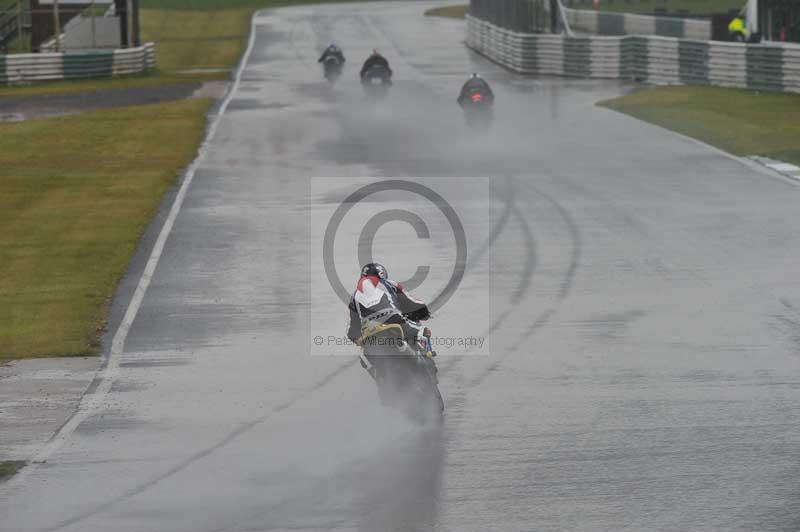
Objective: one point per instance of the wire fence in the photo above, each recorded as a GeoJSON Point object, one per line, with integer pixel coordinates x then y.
{"type": "Point", "coordinates": [13, 18]}
{"type": "Point", "coordinates": [63, 25]}
{"type": "Point", "coordinates": [523, 16]}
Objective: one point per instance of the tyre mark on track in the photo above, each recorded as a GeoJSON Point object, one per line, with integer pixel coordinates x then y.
{"type": "Point", "coordinates": [518, 296]}
{"type": "Point", "coordinates": [565, 287]}
{"type": "Point", "coordinates": [575, 236]}
{"type": "Point", "coordinates": [569, 278]}
{"type": "Point", "coordinates": [508, 202]}
{"type": "Point", "coordinates": [530, 259]}
{"type": "Point", "coordinates": [524, 282]}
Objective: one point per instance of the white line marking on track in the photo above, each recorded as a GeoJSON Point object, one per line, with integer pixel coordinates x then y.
{"type": "Point", "coordinates": [784, 167]}
{"type": "Point", "coordinates": [785, 170]}
{"type": "Point", "coordinates": [105, 376]}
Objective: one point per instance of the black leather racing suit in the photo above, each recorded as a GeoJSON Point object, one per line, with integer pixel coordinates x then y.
{"type": "Point", "coordinates": [474, 85]}
{"type": "Point", "coordinates": [374, 61]}
{"type": "Point", "coordinates": [332, 51]}
{"type": "Point", "coordinates": [378, 300]}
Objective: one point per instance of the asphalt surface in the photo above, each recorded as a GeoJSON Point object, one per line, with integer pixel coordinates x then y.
{"type": "Point", "coordinates": [642, 369]}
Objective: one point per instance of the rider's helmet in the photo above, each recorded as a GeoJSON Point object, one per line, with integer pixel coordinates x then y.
{"type": "Point", "coordinates": [374, 269]}
{"type": "Point", "coordinates": [375, 52]}
{"type": "Point", "coordinates": [333, 47]}
{"type": "Point", "coordinates": [475, 75]}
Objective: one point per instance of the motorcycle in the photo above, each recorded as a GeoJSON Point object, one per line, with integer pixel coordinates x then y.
{"type": "Point", "coordinates": [478, 110]}
{"type": "Point", "coordinates": [333, 68]}
{"type": "Point", "coordinates": [404, 372]}
{"type": "Point", "coordinates": [376, 81]}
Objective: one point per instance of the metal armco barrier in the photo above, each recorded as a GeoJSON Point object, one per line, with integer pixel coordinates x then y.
{"type": "Point", "coordinates": [652, 59]}
{"type": "Point", "coordinates": [604, 23]}
{"type": "Point", "coordinates": [23, 68]}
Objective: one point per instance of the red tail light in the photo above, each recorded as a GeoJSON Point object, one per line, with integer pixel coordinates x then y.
{"type": "Point", "coordinates": [477, 97]}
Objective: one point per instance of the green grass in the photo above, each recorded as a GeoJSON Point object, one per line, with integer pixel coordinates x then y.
{"type": "Point", "coordinates": [188, 40]}
{"type": "Point", "coordinates": [695, 7]}
{"type": "Point", "coordinates": [9, 469]}
{"type": "Point", "coordinates": [148, 79]}
{"type": "Point", "coordinates": [459, 11]}
{"type": "Point", "coordinates": [741, 122]}
{"type": "Point", "coordinates": [77, 192]}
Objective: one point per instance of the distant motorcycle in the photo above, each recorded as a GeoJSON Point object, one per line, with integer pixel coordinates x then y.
{"type": "Point", "coordinates": [333, 68]}
{"type": "Point", "coordinates": [404, 372]}
{"type": "Point", "coordinates": [478, 110]}
{"type": "Point", "coordinates": [376, 81]}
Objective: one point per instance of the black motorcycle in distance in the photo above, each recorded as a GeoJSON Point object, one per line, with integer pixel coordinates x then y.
{"type": "Point", "coordinates": [333, 68]}
{"type": "Point", "coordinates": [478, 111]}
{"type": "Point", "coordinates": [376, 81]}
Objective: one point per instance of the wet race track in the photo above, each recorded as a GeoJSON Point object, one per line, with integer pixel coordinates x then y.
{"type": "Point", "coordinates": [637, 293]}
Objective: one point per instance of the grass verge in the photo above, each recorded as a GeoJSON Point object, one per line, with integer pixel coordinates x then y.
{"type": "Point", "coordinates": [203, 39]}
{"type": "Point", "coordinates": [693, 7]}
{"type": "Point", "coordinates": [148, 79]}
{"type": "Point", "coordinates": [738, 121]}
{"type": "Point", "coordinates": [459, 11]}
{"type": "Point", "coordinates": [77, 192]}
{"type": "Point", "coordinates": [9, 469]}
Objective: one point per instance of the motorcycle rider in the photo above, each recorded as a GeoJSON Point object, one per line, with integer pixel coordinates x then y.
{"type": "Point", "coordinates": [376, 60]}
{"type": "Point", "coordinates": [379, 300]}
{"type": "Point", "coordinates": [475, 84]}
{"type": "Point", "coordinates": [332, 50]}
